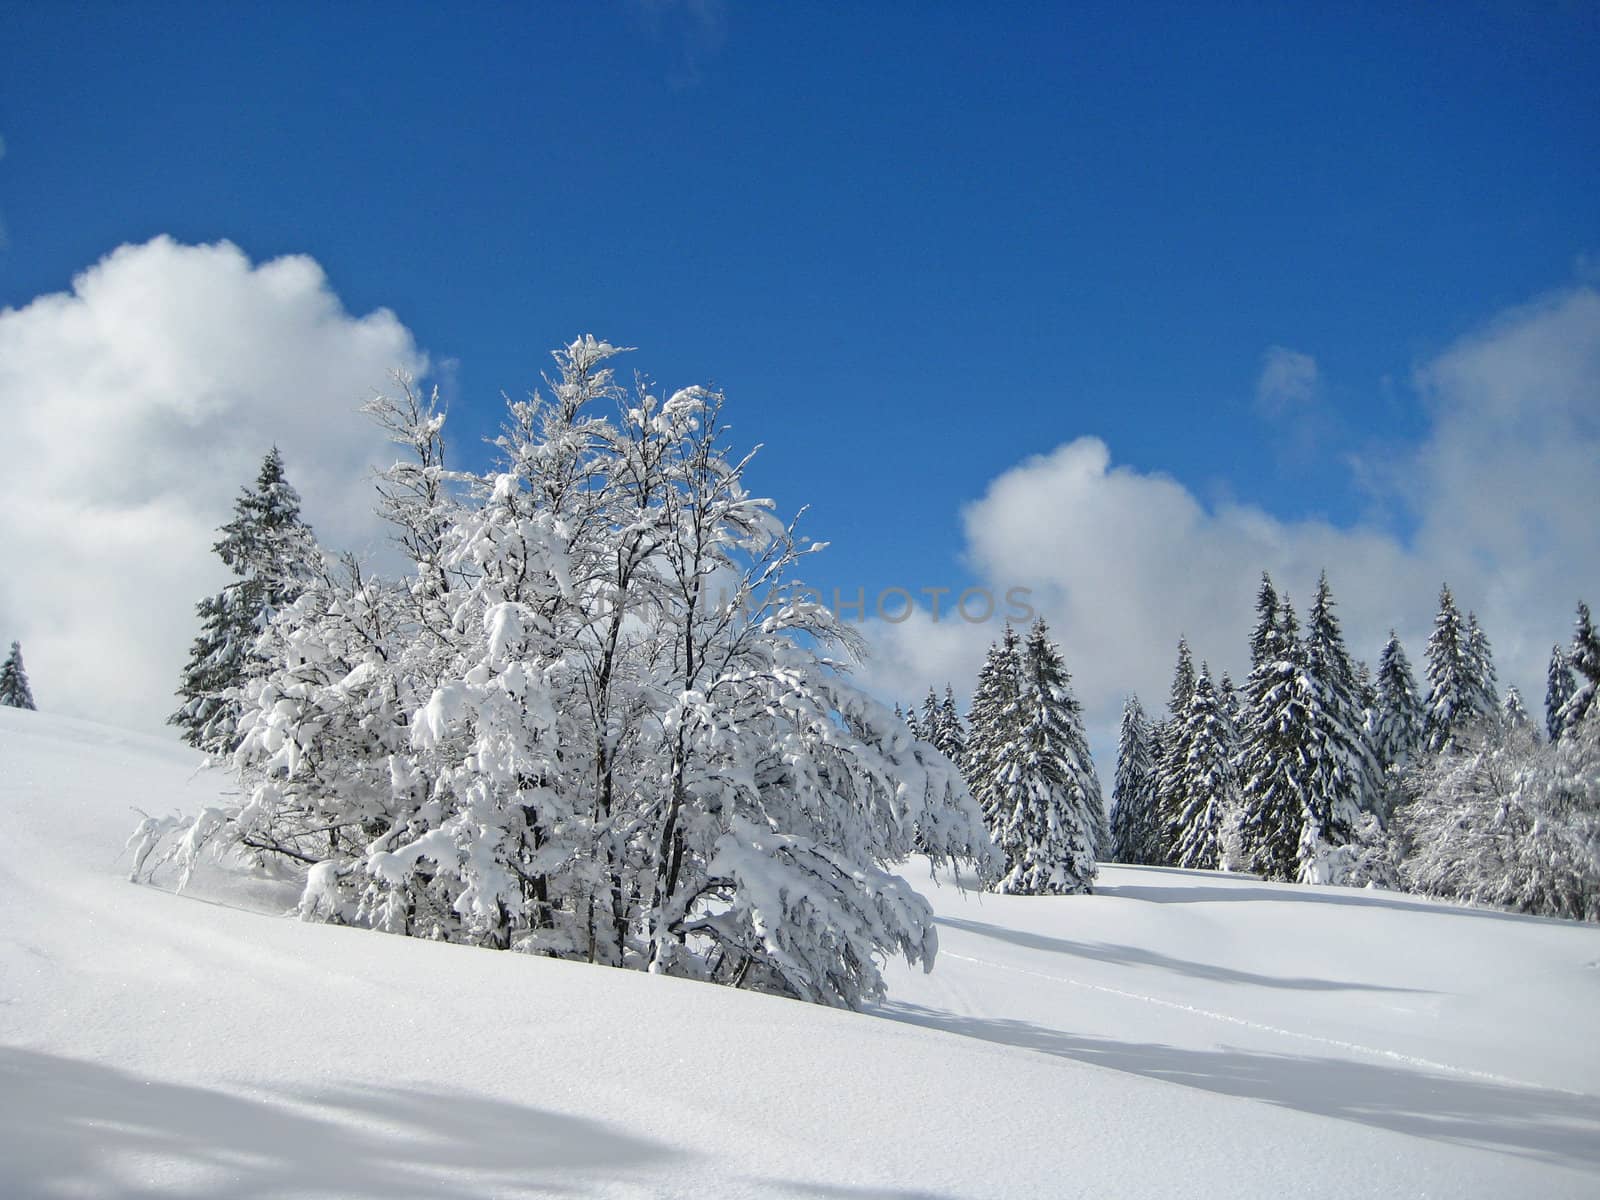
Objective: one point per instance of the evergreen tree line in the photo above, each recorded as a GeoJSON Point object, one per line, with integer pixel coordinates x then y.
{"type": "Point", "coordinates": [14, 689]}
{"type": "Point", "coordinates": [1026, 761]}
{"type": "Point", "coordinates": [586, 721]}
{"type": "Point", "coordinates": [1315, 771]}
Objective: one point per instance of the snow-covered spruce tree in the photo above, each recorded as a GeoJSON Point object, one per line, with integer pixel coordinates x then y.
{"type": "Point", "coordinates": [621, 742]}
{"type": "Point", "coordinates": [994, 721]}
{"type": "Point", "coordinates": [928, 716]}
{"type": "Point", "coordinates": [1266, 638]}
{"type": "Point", "coordinates": [1045, 793]}
{"type": "Point", "coordinates": [1513, 712]}
{"type": "Point", "coordinates": [1167, 738]}
{"type": "Point", "coordinates": [1346, 779]}
{"type": "Point", "coordinates": [1559, 686]}
{"type": "Point", "coordinates": [1509, 821]}
{"type": "Point", "coordinates": [1228, 697]}
{"type": "Point", "coordinates": [1134, 813]}
{"type": "Point", "coordinates": [1264, 635]}
{"type": "Point", "coordinates": [1395, 724]}
{"type": "Point", "coordinates": [1276, 755]}
{"type": "Point", "coordinates": [1232, 702]}
{"type": "Point", "coordinates": [272, 555]}
{"type": "Point", "coordinates": [1366, 686]}
{"type": "Point", "coordinates": [1204, 780]}
{"type": "Point", "coordinates": [1456, 688]}
{"type": "Point", "coordinates": [908, 715]}
{"type": "Point", "coordinates": [950, 732]}
{"type": "Point", "coordinates": [1585, 660]}
{"type": "Point", "coordinates": [14, 689]}
{"type": "Point", "coordinates": [1397, 730]}
{"type": "Point", "coordinates": [1484, 676]}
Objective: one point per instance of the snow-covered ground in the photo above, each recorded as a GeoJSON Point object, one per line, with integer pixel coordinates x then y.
{"type": "Point", "coordinates": [1178, 1034]}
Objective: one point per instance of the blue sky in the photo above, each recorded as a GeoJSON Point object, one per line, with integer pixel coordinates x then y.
{"type": "Point", "coordinates": [916, 244]}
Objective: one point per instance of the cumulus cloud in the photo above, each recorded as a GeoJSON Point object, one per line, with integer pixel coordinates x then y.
{"type": "Point", "coordinates": [1122, 561]}
{"type": "Point", "coordinates": [136, 405]}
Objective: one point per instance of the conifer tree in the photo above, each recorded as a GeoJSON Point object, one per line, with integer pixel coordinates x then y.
{"type": "Point", "coordinates": [1134, 817]}
{"type": "Point", "coordinates": [1045, 796]}
{"type": "Point", "coordinates": [1183, 679]}
{"type": "Point", "coordinates": [1204, 781]}
{"type": "Point", "coordinates": [913, 723]}
{"type": "Point", "coordinates": [1397, 728]}
{"type": "Point", "coordinates": [1228, 695]}
{"type": "Point", "coordinates": [1275, 755]}
{"type": "Point", "coordinates": [1514, 713]}
{"type": "Point", "coordinates": [273, 556]}
{"type": "Point", "coordinates": [14, 689]}
{"type": "Point", "coordinates": [1456, 690]}
{"type": "Point", "coordinates": [1264, 636]}
{"type": "Point", "coordinates": [1346, 780]}
{"type": "Point", "coordinates": [928, 719]}
{"type": "Point", "coordinates": [950, 734]}
{"type": "Point", "coordinates": [1585, 659]}
{"type": "Point", "coordinates": [994, 721]}
{"type": "Point", "coordinates": [1168, 742]}
{"type": "Point", "coordinates": [1486, 699]}
{"type": "Point", "coordinates": [1366, 688]}
{"type": "Point", "coordinates": [1559, 686]}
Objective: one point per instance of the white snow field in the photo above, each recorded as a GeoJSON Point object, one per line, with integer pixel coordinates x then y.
{"type": "Point", "coordinates": [1178, 1034]}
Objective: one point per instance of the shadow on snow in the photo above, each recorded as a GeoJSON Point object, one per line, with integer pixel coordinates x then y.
{"type": "Point", "coordinates": [83, 1128]}
{"type": "Point", "coordinates": [1550, 1126]}
{"type": "Point", "coordinates": [70, 1127]}
{"type": "Point", "coordinates": [1231, 888]}
{"type": "Point", "coordinates": [1135, 956]}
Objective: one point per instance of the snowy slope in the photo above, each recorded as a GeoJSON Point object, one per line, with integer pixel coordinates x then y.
{"type": "Point", "coordinates": [1179, 1034]}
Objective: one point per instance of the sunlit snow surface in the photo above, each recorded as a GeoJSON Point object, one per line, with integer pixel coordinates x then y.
{"type": "Point", "coordinates": [1177, 1034]}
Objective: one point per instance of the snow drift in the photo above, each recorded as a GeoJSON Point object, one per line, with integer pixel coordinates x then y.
{"type": "Point", "coordinates": [1179, 1033]}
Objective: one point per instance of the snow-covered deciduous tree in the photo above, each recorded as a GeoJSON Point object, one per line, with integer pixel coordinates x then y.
{"type": "Point", "coordinates": [1509, 821]}
{"type": "Point", "coordinates": [14, 689]}
{"type": "Point", "coordinates": [1135, 816]}
{"type": "Point", "coordinates": [272, 555]}
{"type": "Point", "coordinates": [1203, 782]}
{"type": "Point", "coordinates": [590, 723]}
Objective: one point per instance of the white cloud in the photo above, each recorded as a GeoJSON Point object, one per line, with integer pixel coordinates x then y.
{"type": "Point", "coordinates": [1288, 381]}
{"type": "Point", "coordinates": [135, 407]}
{"type": "Point", "coordinates": [1503, 491]}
